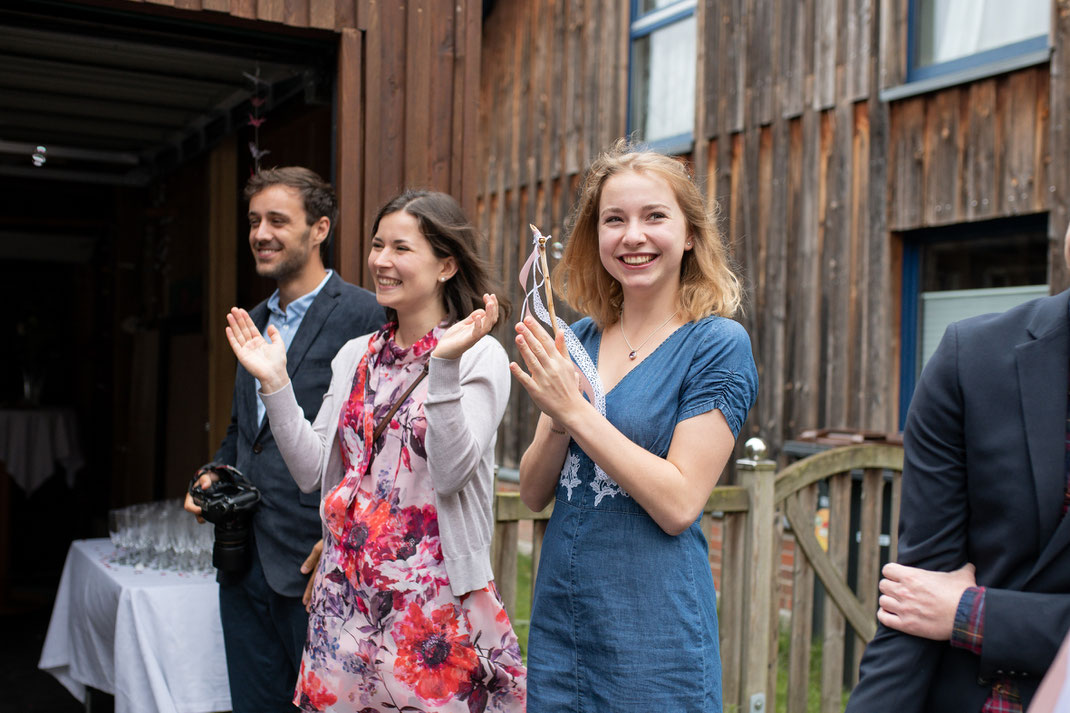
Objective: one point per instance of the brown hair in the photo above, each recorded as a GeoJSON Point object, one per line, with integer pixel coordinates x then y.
{"type": "Point", "coordinates": [708, 285]}
{"type": "Point", "coordinates": [445, 226]}
{"type": "Point", "coordinates": [318, 196]}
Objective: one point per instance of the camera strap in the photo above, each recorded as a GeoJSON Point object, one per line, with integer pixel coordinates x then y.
{"type": "Point", "coordinates": [397, 404]}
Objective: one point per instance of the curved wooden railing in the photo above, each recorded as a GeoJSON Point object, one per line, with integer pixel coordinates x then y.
{"type": "Point", "coordinates": [751, 520]}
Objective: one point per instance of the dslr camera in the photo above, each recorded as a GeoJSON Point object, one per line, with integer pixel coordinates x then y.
{"type": "Point", "coordinates": [229, 504]}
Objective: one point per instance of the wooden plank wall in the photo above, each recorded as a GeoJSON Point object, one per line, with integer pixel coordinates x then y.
{"type": "Point", "coordinates": [553, 93]}
{"type": "Point", "coordinates": [421, 92]}
{"type": "Point", "coordinates": [1059, 171]}
{"type": "Point", "coordinates": [318, 14]}
{"type": "Point", "coordinates": [792, 144]}
{"type": "Point", "coordinates": [814, 176]}
{"type": "Point", "coordinates": [971, 152]}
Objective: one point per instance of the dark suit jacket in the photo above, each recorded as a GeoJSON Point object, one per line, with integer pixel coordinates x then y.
{"type": "Point", "coordinates": [287, 524]}
{"type": "Point", "coordinates": [984, 478]}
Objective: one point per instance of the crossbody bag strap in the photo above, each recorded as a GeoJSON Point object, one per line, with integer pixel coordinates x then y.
{"type": "Point", "coordinates": [397, 404]}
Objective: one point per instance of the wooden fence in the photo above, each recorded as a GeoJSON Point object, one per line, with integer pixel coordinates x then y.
{"type": "Point", "coordinates": [846, 562]}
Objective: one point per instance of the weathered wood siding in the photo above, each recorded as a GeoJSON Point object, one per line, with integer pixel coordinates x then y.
{"type": "Point", "coordinates": [320, 14]}
{"type": "Point", "coordinates": [553, 91]}
{"type": "Point", "coordinates": [793, 146]}
{"type": "Point", "coordinates": [813, 174]}
{"type": "Point", "coordinates": [971, 152]}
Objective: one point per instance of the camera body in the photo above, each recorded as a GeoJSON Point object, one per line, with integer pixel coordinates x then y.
{"type": "Point", "coordinates": [229, 504]}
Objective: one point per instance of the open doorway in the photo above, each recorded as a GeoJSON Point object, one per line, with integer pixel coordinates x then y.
{"type": "Point", "coordinates": [125, 141]}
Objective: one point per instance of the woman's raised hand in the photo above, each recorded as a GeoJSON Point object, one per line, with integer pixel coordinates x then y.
{"type": "Point", "coordinates": [456, 340]}
{"type": "Point", "coordinates": [264, 358]}
{"type": "Point", "coordinates": [552, 380]}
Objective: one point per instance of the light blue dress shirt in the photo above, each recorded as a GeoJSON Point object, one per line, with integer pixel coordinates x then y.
{"type": "Point", "coordinates": [287, 321]}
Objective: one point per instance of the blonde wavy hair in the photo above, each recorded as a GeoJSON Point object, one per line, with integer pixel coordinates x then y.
{"type": "Point", "coordinates": [708, 285]}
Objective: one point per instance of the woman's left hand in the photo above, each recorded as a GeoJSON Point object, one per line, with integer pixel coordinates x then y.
{"type": "Point", "coordinates": [456, 340]}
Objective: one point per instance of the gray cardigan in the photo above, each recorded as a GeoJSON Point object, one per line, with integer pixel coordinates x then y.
{"type": "Point", "coordinates": [466, 400]}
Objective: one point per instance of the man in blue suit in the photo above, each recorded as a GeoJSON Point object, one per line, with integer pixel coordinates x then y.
{"type": "Point", "coordinates": [974, 612]}
{"type": "Point", "coordinates": [291, 212]}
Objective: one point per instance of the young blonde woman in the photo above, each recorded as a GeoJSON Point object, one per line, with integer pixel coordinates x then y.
{"type": "Point", "coordinates": [625, 612]}
{"type": "Point", "coordinates": [404, 615]}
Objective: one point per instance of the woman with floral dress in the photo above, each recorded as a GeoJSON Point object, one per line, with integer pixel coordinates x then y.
{"type": "Point", "coordinates": [625, 615]}
{"type": "Point", "coordinates": [404, 615]}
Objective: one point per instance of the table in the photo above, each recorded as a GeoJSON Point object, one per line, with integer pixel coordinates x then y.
{"type": "Point", "coordinates": [32, 441]}
{"type": "Point", "coordinates": [151, 638]}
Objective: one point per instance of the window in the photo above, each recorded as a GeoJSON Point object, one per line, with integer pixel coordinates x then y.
{"type": "Point", "coordinates": [961, 271]}
{"type": "Point", "coordinates": [966, 39]}
{"type": "Point", "coordinates": [662, 88]}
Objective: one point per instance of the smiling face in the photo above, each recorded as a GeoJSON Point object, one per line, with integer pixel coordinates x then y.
{"type": "Point", "coordinates": [284, 245]}
{"type": "Point", "coordinates": [642, 232]}
{"type": "Point", "coordinates": [405, 268]}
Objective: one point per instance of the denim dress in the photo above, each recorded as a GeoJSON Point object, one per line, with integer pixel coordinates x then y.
{"type": "Point", "coordinates": [625, 615]}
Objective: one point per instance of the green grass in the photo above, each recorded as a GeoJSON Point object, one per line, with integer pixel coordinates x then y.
{"type": "Point", "coordinates": [813, 687]}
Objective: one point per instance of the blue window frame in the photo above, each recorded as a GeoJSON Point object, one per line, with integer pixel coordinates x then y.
{"type": "Point", "coordinates": [662, 59]}
{"type": "Point", "coordinates": [954, 41]}
{"type": "Point", "coordinates": [976, 267]}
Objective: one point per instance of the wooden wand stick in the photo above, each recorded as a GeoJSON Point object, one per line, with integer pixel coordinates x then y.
{"type": "Point", "coordinates": [546, 278]}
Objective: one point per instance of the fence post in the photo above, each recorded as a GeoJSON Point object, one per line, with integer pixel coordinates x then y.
{"type": "Point", "coordinates": [758, 475]}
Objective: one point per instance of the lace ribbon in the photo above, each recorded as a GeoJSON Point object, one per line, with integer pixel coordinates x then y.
{"type": "Point", "coordinates": [591, 385]}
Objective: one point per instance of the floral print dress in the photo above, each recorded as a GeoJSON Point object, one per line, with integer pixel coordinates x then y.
{"type": "Point", "coordinates": [385, 633]}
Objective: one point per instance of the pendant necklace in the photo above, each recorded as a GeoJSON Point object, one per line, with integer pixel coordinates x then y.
{"type": "Point", "coordinates": [635, 350]}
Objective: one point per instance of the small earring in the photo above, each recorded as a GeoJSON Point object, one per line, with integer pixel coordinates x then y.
{"type": "Point", "coordinates": [442, 279]}
{"type": "Point", "coordinates": [688, 243]}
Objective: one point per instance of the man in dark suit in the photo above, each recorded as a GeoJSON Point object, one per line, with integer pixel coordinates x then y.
{"type": "Point", "coordinates": [974, 612]}
{"type": "Point", "coordinates": [291, 211]}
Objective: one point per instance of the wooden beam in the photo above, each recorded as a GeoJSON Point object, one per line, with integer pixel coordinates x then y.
{"type": "Point", "coordinates": [223, 246]}
{"type": "Point", "coordinates": [349, 249]}
{"type": "Point", "coordinates": [1059, 217]}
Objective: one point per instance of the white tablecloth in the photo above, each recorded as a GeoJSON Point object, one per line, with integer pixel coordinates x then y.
{"type": "Point", "coordinates": [150, 638]}
{"type": "Point", "coordinates": [32, 441]}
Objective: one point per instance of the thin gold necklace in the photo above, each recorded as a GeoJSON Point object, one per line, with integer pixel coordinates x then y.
{"type": "Point", "coordinates": [635, 350]}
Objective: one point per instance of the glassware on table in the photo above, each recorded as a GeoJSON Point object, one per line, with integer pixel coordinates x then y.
{"type": "Point", "coordinates": [117, 532]}
{"type": "Point", "coordinates": [204, 543]}
{"type": "Point", "coordinates": [160, 535]}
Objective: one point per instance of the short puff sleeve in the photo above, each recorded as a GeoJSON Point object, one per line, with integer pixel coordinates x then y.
{"type": "Point", "coordinates": [721, 374]}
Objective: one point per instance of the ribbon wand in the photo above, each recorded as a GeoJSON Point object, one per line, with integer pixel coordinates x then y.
{"type": "Point", "coordinates": [546, 276]}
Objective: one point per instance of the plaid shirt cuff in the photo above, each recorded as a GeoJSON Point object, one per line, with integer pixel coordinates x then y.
{"type": "Point", "coordinates": [969, 630]}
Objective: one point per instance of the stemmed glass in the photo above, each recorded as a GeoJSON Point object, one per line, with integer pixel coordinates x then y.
{"type": "Point", "coordinates": [204, 543]}
{"type": "Point", "coordinates": [140, 525]}
{"type": "Point", "coordinates": [183, 541]}
{"type": "Point", "coordinates": [116, 532]}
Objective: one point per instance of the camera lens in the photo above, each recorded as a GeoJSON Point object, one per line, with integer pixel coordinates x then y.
{"type": "Point", "coordinates": [231, 551]}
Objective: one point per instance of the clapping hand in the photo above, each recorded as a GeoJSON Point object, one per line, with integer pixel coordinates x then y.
{"type": "Point", "coordinates": [552, 380]}
{"type": "Point", "coordinates": [456, 340]}
{"type": "Point", "coordinates": [264, 358]}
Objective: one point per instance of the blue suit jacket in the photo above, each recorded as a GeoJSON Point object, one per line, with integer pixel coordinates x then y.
{"type": "Point", "coordinates": [287, 523]}
{"type": "Point", "coordinates": [984, 478]}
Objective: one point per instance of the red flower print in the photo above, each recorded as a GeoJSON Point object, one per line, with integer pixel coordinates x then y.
{"type": "Point", "coordinates": [313, 690]}
{"type": "Point", "coordinates": [417, 523]}
{"type": "Point", "coordinates": [433, 658]}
